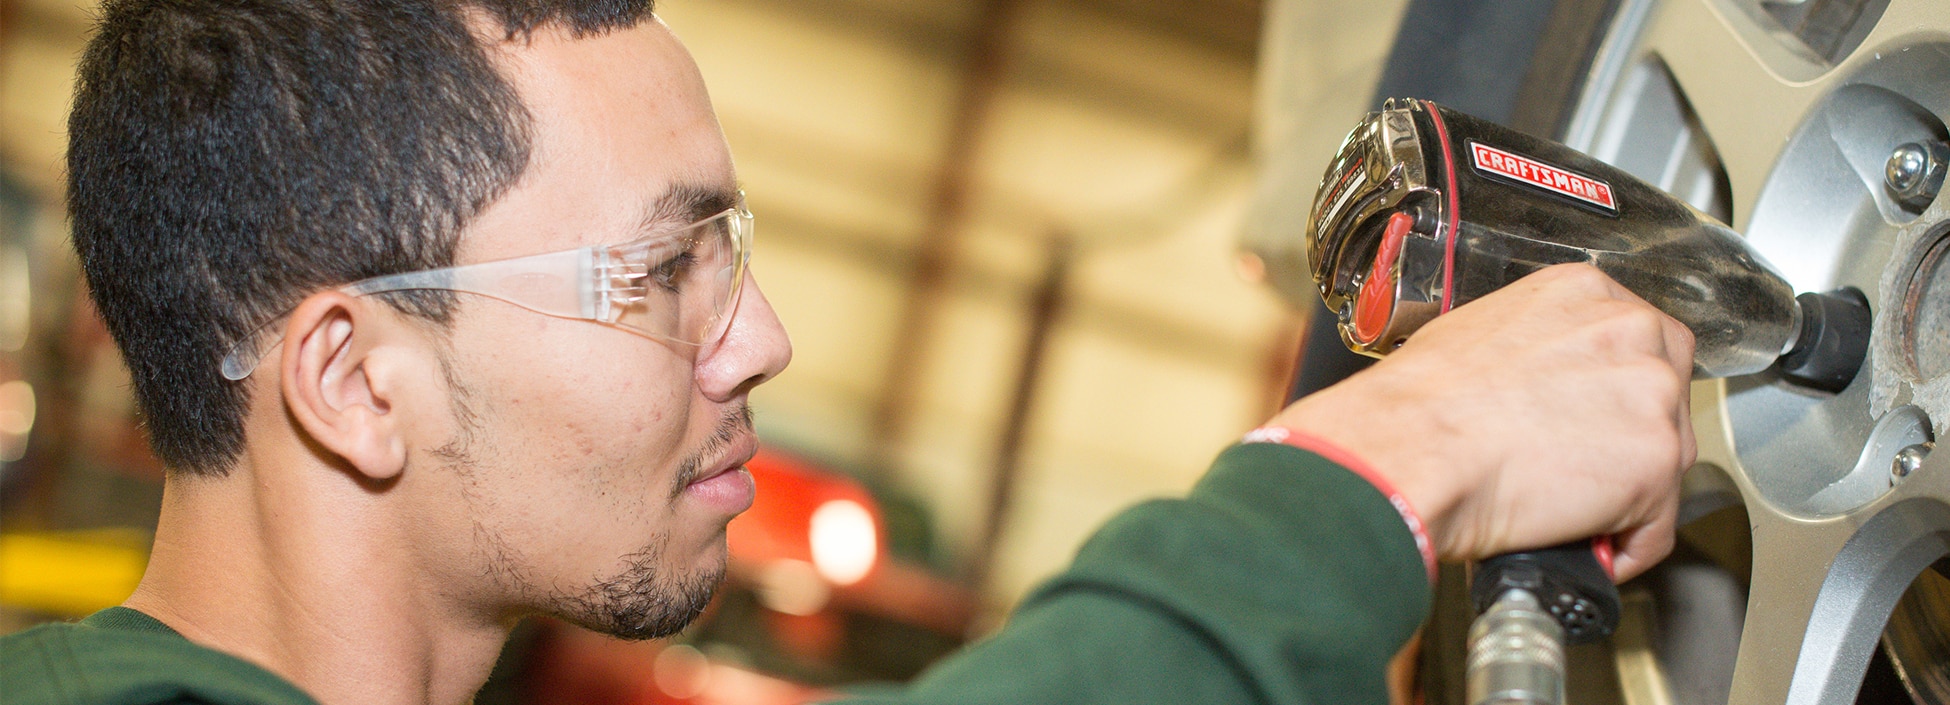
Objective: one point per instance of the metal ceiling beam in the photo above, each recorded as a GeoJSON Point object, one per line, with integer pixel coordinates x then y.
{"type": "Point", "coordinates": [941, 236]}
{"type": "Point", "coordinates": [1045, 310]}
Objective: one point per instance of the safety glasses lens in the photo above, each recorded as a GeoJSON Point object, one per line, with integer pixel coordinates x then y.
{"type": "Point", "coordinates": [690, 281]}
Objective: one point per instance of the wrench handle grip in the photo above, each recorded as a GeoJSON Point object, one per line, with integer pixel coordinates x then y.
{"type": "Point", "coordinates": [1572, 581]}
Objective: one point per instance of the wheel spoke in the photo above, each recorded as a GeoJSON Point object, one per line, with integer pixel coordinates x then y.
{"type": "Point", "coordinates": [1779, 608]}
{"type": "Point", "coordinates": [1814, 616]}
{"type": "Point", "coordinates": [1718, 72]}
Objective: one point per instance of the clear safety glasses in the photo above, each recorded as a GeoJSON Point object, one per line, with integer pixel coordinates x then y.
{"type": "Point", "coordinates": [678, 286]}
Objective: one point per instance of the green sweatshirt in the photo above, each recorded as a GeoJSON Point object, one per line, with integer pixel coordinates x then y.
{"type": "Point", "coordinates": [1281, 578]}
{"type": "Point", "coordinates": [119, 656]}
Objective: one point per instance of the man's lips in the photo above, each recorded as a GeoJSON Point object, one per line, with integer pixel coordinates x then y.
{"type": "Point", "coordinates": [734, 456]}
{"type": "Point", "coordinates": [726, 486]}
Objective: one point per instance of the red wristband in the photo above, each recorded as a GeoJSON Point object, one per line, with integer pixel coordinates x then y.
{"type": "Point", "coordinates": [1326, 449]}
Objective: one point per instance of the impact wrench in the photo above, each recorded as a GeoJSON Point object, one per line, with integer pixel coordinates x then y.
{"type": "Point", "coordinates": [1425, 209]}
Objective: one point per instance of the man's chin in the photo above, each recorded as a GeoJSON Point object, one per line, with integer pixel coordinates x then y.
{"type": "Point", "coordinates": [643, 605]}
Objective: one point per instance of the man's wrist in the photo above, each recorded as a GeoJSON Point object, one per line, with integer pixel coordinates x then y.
{"type": "Point", "coordinates": [1399, 431]}
{"type": "Point", "coordinates": [1360, 467]}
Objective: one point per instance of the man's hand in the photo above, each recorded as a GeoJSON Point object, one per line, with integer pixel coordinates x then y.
{"type": "Point", "coordinates": [1554, 409]}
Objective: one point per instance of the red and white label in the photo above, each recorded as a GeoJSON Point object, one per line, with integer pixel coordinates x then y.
{"type": "Point", "coordinates": [1544, 176]}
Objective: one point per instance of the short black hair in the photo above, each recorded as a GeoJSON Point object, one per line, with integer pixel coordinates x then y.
{"type": "Point", "coordinates": [228, 158]}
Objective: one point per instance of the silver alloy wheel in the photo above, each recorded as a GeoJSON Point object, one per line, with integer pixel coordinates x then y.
{"type": "Point", "coordinates": [1785, 114]}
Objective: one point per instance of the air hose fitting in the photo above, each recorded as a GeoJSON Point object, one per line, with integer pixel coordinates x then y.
{"type": "Point", "coordinates": [1516, 654]}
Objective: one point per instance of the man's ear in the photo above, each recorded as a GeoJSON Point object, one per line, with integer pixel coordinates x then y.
{"type": "Point", "coordinates": [333, 388]}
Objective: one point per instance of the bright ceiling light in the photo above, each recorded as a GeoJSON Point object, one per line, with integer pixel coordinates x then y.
{"type": "Point", "coordinates": [844, 541]}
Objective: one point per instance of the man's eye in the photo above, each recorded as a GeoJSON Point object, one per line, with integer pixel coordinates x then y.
{"type": "Point", "coordinates": [670, 273]}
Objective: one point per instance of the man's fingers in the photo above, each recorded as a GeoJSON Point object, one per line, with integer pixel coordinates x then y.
{"type": "Point", "coordinates": [1688, 439]}
{"type": "Point", "coordinates": [1590, 280]}
{"type": "Point", "coordinates": [1679, 347]}
{"type": "Point", "coordinates": [1674, 341]}
{"type": "Point", "coordinates": [1642, 546]}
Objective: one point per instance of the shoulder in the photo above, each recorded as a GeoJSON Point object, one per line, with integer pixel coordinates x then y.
{"type": "Point", "coordinates": [92, 663]}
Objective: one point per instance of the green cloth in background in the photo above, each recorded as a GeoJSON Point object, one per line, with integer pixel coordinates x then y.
{"type": "Point", "coordinates": [1281, 578]}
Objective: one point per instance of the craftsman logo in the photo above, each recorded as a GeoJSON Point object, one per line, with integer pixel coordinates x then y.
{"type": "Point", "coordinates": [1491, 160]}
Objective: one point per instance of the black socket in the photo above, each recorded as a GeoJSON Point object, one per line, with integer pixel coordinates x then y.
{"type": "Point", "coordinates": [1834, 340]}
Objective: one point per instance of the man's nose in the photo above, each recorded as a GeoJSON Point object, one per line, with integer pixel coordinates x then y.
{"type": "Point", "coordinates": [754, 348]}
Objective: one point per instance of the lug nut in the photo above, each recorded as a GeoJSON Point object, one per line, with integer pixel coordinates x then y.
{"type": "Point", "coordinates": [1909, 459]}
{"type": "Point", "coordinates": [1914, 174]}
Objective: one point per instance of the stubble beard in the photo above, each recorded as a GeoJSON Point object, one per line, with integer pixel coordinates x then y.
{"type": "Point", "coordinates": [638, 601]}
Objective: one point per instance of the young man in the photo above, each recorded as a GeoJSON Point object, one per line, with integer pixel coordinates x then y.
{"type": "Point", "coordinates": [438, 314]}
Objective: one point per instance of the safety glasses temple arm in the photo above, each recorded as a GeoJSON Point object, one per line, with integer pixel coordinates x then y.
{"type": "Point", "coordinates": [565, 284]}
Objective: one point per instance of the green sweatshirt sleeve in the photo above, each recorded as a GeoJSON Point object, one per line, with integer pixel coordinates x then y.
{"type": "Point", "coordinates": [1281, 578]}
